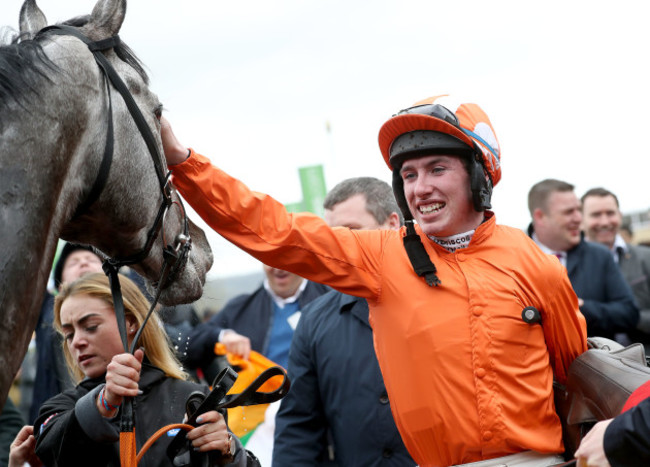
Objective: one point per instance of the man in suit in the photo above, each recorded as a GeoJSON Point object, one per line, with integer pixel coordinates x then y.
{"type": "Point", "coordinates": [336, 384]}
{"type": "Point", "coordinates": [262, 321]}
{"type": "Point", "coordinates": [601, 222]}
{"type": "Point", "coordinates": [604, 297]}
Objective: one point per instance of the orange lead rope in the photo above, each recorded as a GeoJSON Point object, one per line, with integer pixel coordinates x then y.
{"type": "Point", "coordinates": [217, 399]}
{"type": "Point", "coordinates": [214, 401]}
{"type": "Point", "coordinates": [128, 457]}
{"type": "Point", "coordinates": [150, 441]}
{"type": "Point", "coordinates": [127, 449]}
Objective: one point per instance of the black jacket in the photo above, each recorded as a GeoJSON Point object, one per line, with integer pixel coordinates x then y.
{"type": "Point", "coordinates": [336, 385]}
{"type": "Point", "coordinates": [70, 431]}
{"type": "Point", "coordinates": [609, 305]}
{"type": "Point", "coordinates": [627, 438]}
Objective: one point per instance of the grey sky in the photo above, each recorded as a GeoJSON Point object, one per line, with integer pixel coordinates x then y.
{"type": "Point", "coordinates": [254, 84]}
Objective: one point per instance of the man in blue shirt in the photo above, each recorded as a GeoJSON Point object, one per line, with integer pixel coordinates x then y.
{"type": "Point", "coordinates": [262, 321]}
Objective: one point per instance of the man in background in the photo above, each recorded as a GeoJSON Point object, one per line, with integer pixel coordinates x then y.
{"type": "Point", "coordinates": [336, 385]}
{"type": "Point", "coordinates": [601, 222]}
{"type": "Point", "coordinates": [263, 321]}
{"type": "Point", "coordinates": [604, 297]}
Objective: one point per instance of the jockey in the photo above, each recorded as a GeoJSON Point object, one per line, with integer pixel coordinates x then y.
{"type": "Point", "coordinates": [468, 379]}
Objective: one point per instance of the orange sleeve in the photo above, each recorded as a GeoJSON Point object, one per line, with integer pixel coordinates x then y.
{"type": "Point", "coordinates": [565, 328]}
{"type": "Point", "coordinates": [300, 243]}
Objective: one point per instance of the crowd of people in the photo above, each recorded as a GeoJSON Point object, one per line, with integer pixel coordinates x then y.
{"type": "Point", "coordinates": [398, 316]}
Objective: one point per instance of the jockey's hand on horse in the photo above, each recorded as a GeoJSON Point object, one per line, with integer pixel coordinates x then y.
{"type": "Point", "coordinates": [236, 344]}
{"type": "Point", "coordinates": [175, 152]}
{"type": "Point", "coordinates": [592, 450]}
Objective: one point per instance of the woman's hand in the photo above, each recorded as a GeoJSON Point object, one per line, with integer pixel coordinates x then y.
{"type": "Point", "coordinates": [212, 434]}
{"type": "Point", "coordinates": [22, 449]}
{"type": "Point", "coordinates": [122, 377]}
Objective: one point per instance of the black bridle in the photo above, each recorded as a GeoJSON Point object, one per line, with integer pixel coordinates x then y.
{"type": "Point", "coordinates": [174, 254]}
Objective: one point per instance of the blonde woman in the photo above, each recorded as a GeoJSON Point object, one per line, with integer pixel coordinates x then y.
{"type": "Point", "coordinates": [81, 426]}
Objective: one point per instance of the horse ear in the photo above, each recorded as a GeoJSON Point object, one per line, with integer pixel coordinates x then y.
{"type": "Point", "coordinates": [31, 19]}
{"type": "Point", "coordinates": [108, 16]}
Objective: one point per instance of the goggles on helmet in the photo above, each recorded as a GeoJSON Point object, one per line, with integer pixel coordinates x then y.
{"type": "Point", "coordinates": [414, 143]}
{"type": "Point", "coordinates": [432, 110]}
{"type": "Point", "coordinates": [443, 113]}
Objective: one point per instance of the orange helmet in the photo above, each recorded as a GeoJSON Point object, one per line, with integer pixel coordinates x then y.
{"type": "Point", "coordinates": [438, 125]}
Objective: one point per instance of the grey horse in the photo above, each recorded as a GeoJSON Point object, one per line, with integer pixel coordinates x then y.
{"type": "Point", "coordinates": [53, 120]}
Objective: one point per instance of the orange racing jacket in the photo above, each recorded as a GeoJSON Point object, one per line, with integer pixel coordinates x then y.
{"type": "Point", "coordinates": [468, 379]}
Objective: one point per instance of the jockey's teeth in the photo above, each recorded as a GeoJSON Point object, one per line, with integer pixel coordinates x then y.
{"type": "Point", "coordinates": [431, 208]}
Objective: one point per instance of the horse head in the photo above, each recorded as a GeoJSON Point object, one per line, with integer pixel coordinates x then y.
{"type": "Point", "coordinates": [125, 207]}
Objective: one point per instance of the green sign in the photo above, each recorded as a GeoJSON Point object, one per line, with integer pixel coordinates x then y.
{"type": "Point", "coordinates": [312, 182]}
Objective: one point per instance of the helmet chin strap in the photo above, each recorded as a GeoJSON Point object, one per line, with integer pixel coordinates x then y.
{"type": "Point", "coordinates": [422, 264]}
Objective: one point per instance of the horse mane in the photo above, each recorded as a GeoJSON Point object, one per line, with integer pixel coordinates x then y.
{"type": "Point", "coordinates": [24, 64]}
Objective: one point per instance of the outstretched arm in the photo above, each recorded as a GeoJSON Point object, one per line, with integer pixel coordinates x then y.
{"type": "Point", "coordinates": [349, 261]}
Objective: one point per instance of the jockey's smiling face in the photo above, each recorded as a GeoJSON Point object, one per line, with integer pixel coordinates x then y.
{"type": "Point", "coordinates": [438, 194]}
